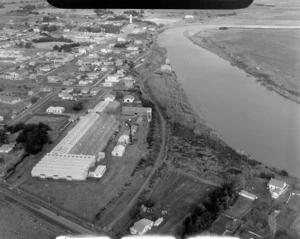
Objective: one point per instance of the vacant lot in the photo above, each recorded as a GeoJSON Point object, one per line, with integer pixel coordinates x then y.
{"type": "Point", "coordinates": [240, 208]}
{"type": "Point", "coordinates": [54, 121]}
{"type": "Point", "coordinates": [16, 223]}
{"type": "Point", "coordinates": [176, 193]}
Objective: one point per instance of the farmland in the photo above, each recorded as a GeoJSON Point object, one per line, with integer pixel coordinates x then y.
{"type": "Point", "coordinates": [176, 193]}
{"type": "Point", "coordinates": [16, 223]}
{"type": "Point", "coordinates": [240, 208]}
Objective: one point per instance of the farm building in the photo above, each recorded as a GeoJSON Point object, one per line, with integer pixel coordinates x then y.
{"type": "Point", "coordinates": [118, 150]}
{"type": "Point", "coordinates": [140, 111]}
{"type": "Point", "coordinates": [6, 148]}
{"type": "Point", "coordinates": [124, 139]}
{"type": "Point", "coordinates": [97, 136]}
{"type": "Point", "coordinates": [99, 172]}
{"type": "Point", "coordinates": [189, 17]}
{"type": "Point", "coordinates": [109, 97]}
{"type": "Point", "coordinates": [65, 145]}
{"type": "Point", "coordinates": [128, 98]}
{"type": "Point", "coordinates": [55, 110]}
{"type": "Point", "coordinates": [247, 195]}
{"type": "Point", "coordinates": [64, 166]}
{"type": "Point", "coordinates": [141, 227]}
{"type": "Point", "coordinates": [100, 107]}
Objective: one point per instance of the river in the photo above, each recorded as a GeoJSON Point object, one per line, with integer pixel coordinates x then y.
{"type": "Point", "coordinates": [244, 113]}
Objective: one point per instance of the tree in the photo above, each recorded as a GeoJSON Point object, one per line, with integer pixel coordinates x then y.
{"type": "Point", "coordinates": [240, 181]}
{"type": "Point", "coordinates": [78, 106]}
{"type": "Point", "coordinates": [55, 47]}
{"type": "Point", "coordinates": [272, 223]}
{"type": "Point", "coordinates": [3, 137]}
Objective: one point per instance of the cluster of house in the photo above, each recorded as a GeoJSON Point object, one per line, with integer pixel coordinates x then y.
{"type": "Point", "coordinates": [12, 56]}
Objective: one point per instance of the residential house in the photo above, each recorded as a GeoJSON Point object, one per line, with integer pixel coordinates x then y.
{"type": "Point", "coordinates": [1, 118]}
{"type": "Point", "coordinates": [141, 227]}
{"type": "Point", "coordinates": [96, 63]}
{"type": "Point", "coordinates": [45, 89]}
{"type": "Point", "coordinates": [85, 90]}
{"type": "Point", "coordinates": [9, 99]}
{"type": "Point", "coordinates": [118, 150]}
{"type": "Point", "coordinates": [54, 79]}
{"type": "Point", "coordinates": [120, 39]}
{"type": "Point", "coordinates": [84, 68]}
{"type": "Point", "coordinates": [45, 68]}
{"type": "Point", "coordinates": [138, 42]}
{"type": "Point", "coordinates": [119, 62]}
{"type": "Point", "coordinates": [277, 187]}
{"type": "Point", "coordinates": [67, 82]}
{"type": "Point", "coordinates": [140, 111]}
{"type": "Point", "coordinates": [108, 63]}
{"type": "Point", "coordinates": [132, 48]}
{"type": "Point", "coordinates": [166, 68]}
{"type": "Point", "coordinates": [112, 78]}
{"type": "Point", "coordinates": [6, 148]}
{"type": "Point", "coordinates": [69, 90]}
{"type": "Point", "coordinates": [55, 110]}
{"type": "Point", "coordinates": [109, 97]}
{"type": "Point", "coordinates": [65, 96]}
{"type": "Point", "coordinates": [94, 92]}
{"type": "Point", "coordinates": [108, 84]}
{"type": "Point", "coordinates": [103, 69]}
{"type": "Point", "coordinates": [188, 17]}
{"type": "Point", "coordinates": [32, 76]}
{"type": "Point", "coordinates": [84, 82]}
{"type": "Point", "coordinates": [128, 98]}
{"type": "Point", "coordinates": [92, 75]}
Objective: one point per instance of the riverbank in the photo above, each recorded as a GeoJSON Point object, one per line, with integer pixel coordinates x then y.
{"type": "Point", "coordinates": [265, 77]}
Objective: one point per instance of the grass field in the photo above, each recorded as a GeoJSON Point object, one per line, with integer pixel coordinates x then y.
{"type": "Point", "coordinates": [275, 52]}
{"type": "Point", "coordinates": [48, 45]}
{"type": "Point", "coordinates": [240, 208]}
{"type": "Point", "coordinates": [17, 223]}
{"type": "Point", "coordinates": [176, 193]}
{"type": "Point", "coordinates": [54, 121]}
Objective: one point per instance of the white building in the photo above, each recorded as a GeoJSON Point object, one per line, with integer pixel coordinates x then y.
{"type": "Point", "coordinates": [109, 97]}
{"type": "Point", "coordinates": [99, 172]}
{"type": "Point", "coordinates": [247, 195]}
{"type": "Point", "coordinates": [128, 98]}
{"type": "Point", "coordinates": [124, 139]}
{"type": "Point", "coordinates": [277, 187]}
{"type": "Point", "coordinates": [6, 148]}
{"type": "Point", "coordinates": [112, 78]}
{"type": "Point", "coordinates": [118, 150]}
{"type": "Point", "coordinates": [158, 221]}
{"type": "Point", "coordinates": [1, 118]}
{"type": "Point", "coordinates": [189, 17]}
{"type": "Point", "coordinates": [141, 227]}
{"type": "Point", "coordinates": [55, 110]}
{"type": "Point", "coordinates": [63, 166]}
{"type": "Point", "coordinates": [108, 84]}
{"type": "Point", "coordinates": [65, 96]}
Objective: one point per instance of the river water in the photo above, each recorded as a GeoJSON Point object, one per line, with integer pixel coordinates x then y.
{"type": "Point", "coordinates": [245, 114]}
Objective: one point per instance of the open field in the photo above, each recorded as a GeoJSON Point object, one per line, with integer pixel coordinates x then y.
{"type": "Point", "coordinates": [240, 208]}
{"type": "Point", "coordinates": [274, 52]}
{"type": "Point", "coordinates": [85, 199]}
{"type": "Point", "coordinates": [176, 193]}
{"type": "Point", "coordinates": [48, 45]}
{"type": "Point", "coordinates": [16, 223]}
{"type": "Point", "coordinates": [54, 121]}
{"type": "Point", "coordinates": [8, 160]}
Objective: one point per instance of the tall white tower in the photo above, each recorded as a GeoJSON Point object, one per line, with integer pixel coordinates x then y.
{"type": "Point", "coordinates": [130, 19]}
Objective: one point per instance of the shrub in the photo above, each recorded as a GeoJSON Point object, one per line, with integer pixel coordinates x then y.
{"type": "Point", "coordinates": [284, 173]}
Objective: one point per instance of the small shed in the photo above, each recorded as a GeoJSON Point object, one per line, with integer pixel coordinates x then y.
{"type": "Point", "coordinates": [158, 221]}
{"type": "Point", "coordinates": [124, 139]}
{"type": "Point", "coordinates": [118, 150]}
{"type": "Point", "coordinates": [109, 97]}
{"type": "Point", "coordinates": [128, 98]}
{"type": "Point", "coordinates": [99, 172]}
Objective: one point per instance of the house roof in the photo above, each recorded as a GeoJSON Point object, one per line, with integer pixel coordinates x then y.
{"type": "Point", "coordinates": [276, 183]}
{"type": "Point", "coordinates": [141, 224]}
{"type": "Point", "coordinates": [129, 97]}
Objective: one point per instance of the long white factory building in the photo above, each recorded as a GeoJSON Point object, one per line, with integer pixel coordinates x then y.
{"type": "Point", "coordinates": [73, 156]}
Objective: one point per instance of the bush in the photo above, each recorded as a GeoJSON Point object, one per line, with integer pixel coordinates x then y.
{"type": "Point", "coordinates": [78, 106]}
{"type": "Point", "coordinates": [284, 173]}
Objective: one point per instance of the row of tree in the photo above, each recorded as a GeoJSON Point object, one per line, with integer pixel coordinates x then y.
{"type": "Point", "coordinates": [49, 28]}
{"type": "Point", "coordinates": [65, 47]}
{"type": "Point", "coordinates": [51, 39]}
{"type": "Point", "coordinates": [205, 213]}
{"type": "Point", "coordinates": [32, 136]}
